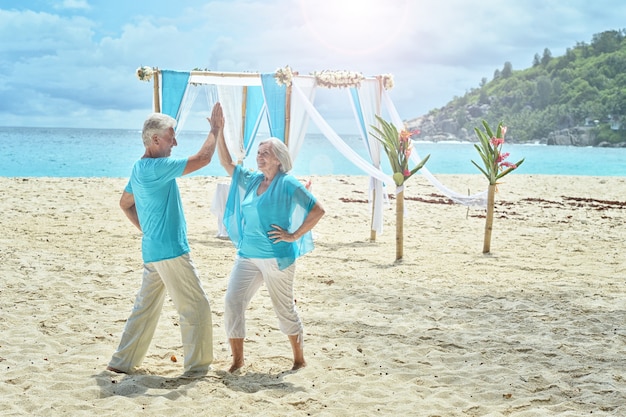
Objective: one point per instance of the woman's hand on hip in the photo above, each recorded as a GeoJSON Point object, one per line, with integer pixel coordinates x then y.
{"type": "Point", "coordinates": [280, 235]}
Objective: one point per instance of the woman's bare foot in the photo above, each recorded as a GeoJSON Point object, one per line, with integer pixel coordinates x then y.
{"type": "Point", "coordinates": [117, 371]}
{"type": "Point", "coordinates": [235, 367]}
{"type": "Point", "coordinates": [298, 352]}
{"type": "Point", "coordinates": [236, 348]}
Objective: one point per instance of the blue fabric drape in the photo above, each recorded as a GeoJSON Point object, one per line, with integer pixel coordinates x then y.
{"type": "Point", "coordinates": [275, 96]}
{"type": "Point", "coordinates": [174, 84]}
{"type": "Point", "coordinates": [357, 105]}
{"type": "Point", "coordinates": [254, 106]}
{"type": "Point", "coordinates": [287, 204]}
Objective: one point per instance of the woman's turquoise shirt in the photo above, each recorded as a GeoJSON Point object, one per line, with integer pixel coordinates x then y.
{"type": "Point", "coordinates": [286, 203]}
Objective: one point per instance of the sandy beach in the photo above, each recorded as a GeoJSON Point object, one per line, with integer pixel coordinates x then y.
{"type": "Point", "coordinates": [535, 328]}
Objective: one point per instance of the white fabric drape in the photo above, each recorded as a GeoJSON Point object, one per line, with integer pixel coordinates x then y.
{"type": "Point", "coordinates": [478, 199]}
{"type": "Point", "coordinates": [210, 92]}
{"type": "Point", "coordinates": [336, 140]}
{"type": "Point", "coordinates": [299, 119]}
{"type": "Point", "coordinates": [257, 124]}
{"type": "Point", "coordinates": [189, 97]}
{"type": "Point", "coordinates": [231, 98]}
{"type": "Point", "coordinates": [230, 87]}
{"type": "Point", "coordinates": [370, 106]}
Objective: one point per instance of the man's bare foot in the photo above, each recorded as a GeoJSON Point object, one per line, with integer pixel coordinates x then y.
{"type": "Point", "coordinates": [298, 365]}
{"type": "Point", "coordinates": [117, 371]}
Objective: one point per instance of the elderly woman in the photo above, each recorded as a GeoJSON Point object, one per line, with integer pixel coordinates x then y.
{"type": "Point", "coordinates": [269, 215]}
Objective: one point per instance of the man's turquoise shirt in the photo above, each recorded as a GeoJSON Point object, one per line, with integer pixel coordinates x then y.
{"type": "Point", "coordinates": [159, 207]}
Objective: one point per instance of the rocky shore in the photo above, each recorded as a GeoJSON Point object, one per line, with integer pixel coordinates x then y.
{"type": "Point", "coordinates": [444, 128]}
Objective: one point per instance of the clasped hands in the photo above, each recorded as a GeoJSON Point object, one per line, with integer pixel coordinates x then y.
{"type": "Point", "coordinates": [217, 118]}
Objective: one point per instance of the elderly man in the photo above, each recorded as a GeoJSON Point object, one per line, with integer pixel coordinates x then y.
{"type": "Point", "coordinates": [151, 201]}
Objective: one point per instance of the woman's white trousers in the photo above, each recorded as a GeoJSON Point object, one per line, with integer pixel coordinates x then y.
{"type": "Point", "coordinates": [246, 278]}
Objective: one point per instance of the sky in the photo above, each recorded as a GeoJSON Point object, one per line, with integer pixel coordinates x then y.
{"type": "Point", "coordinates": [72, 63]}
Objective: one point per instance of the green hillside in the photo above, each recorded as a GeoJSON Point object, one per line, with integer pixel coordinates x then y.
{"type": "Point", "coordinates": [585, 88]}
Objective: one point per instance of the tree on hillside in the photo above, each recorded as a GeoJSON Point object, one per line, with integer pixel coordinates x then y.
{"type": "Point", "coordinates": [587, 83]}
{"type": "Point", "coordinates": [507, 71]}
{"type": "Point", "coordinates": [607, 42]}
{"type": "Point", "coordinates": [536, 60]}
{"type": "Point", "coordinates": [617, 103]}
{"type": "Point", "coordinates": [566, 60]}
{"type": "Point", "coordinates": [543, 92]}
{"type": "Point", "coordinates": [584, 48]}
{"type": "Point", "coordinates": [546, 58]}
{"type": "Point", "coordinates": [483, 98]}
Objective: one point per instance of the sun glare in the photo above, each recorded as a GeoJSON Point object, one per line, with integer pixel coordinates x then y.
{"type": "Point", "coordinates": [356, 27]}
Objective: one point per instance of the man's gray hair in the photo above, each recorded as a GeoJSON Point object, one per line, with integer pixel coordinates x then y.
{"type": "Point", "coordinates": [156, 123]}
{"type": "Point", "coordinates": [282, 153]}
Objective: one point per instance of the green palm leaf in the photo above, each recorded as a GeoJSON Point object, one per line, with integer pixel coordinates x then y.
{"type": "Point", "coordinates": [489, 153]}
{"type": "Point", "coordinates": [389, 137]}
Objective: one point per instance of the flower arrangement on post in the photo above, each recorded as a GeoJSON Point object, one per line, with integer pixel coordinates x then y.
{"type": "Point", "coordinates": [144, 73]}
{"type": "Point", "coordinates": [398, 147]}
{"type": "Point", "coordinates": [387, 81]}
{"type": "Point", "coordinates": [495, 167]}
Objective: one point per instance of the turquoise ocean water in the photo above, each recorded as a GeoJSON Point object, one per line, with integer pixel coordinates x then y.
{"type": "Point", "coordinates": [64, 152]}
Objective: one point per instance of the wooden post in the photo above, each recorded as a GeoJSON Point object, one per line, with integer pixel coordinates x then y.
{"type": "Point", "coordinates": [491, 192]}
{"type": "Point", "coordinates": [243, 117]}
{"type": "Point", "coordinates": [287, 114]}
{"type": "Point", "coordinates": [400, 225]}
{"type": "Point", "coordinates": [157, 99]}
{"type": "Point", "coordinates": [380, 92]}
{"type": "Point", "coordinates": [372, 231]}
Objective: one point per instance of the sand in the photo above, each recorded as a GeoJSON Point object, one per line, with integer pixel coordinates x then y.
{"type": "Point", "coordinates": [536, 327]}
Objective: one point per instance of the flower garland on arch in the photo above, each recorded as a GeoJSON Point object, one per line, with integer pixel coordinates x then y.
{"type": "Point", "coordinates": [387, 81]}
{"type": "Point", "coordinates": [144, 73]}
{"type": "Point", "coordinates": [330, 79]}
{"type": "Point", "coordinates": [284, 76]}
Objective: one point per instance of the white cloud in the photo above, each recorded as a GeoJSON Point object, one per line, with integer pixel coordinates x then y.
{"type": "Point", "coordinates": [73, 4]}
{"type": "Point", "coordinates": [74, 65]}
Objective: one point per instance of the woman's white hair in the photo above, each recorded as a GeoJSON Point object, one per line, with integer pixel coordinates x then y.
{"type": "Point", "coordinates": [155, 124]}
{"type": "Point", "coordinates": [281, 151]}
